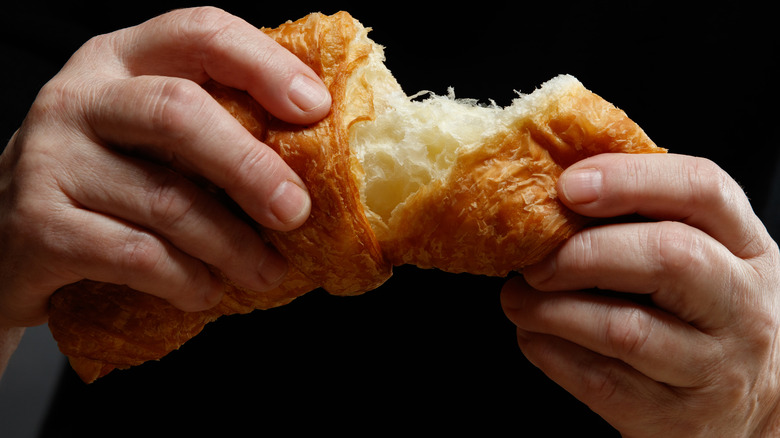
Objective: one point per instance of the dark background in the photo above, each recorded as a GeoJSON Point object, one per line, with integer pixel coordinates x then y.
{"type": "Point", "coordinates": [428, 351]}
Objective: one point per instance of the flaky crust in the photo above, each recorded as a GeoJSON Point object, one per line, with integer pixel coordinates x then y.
{"type": "Point", "coordinates": [101, 327]}
{"type": "Point", "coordinates": [336, 244]}
{"type": "Point", "coordinates": [497, 210]}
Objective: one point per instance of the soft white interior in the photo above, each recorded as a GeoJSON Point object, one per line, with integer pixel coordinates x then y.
{"type": "Point", "coordinates": [415, 139]}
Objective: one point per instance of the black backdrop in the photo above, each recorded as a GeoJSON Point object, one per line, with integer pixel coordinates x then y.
{"type": "Point", "coordinates": [428, 351]}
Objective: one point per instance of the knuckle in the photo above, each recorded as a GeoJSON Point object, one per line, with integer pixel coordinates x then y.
{"type": "Point", "coordinates": [207, 17]}
{"type": "Point", "coordinates": [632, 170]}
{"type": "Point", "coordinates": [627, 331]}
{"type": "Point", "coordinates": [54, 96]}
{"type": "Point", "coordinates": [736, 388]}
{"type": "Point", "coordinates": [92, 48]}
{"type": "Point", "coordinates": [171, 201]}
{"type": "Point", "coordinates": [765, 265]}
{"type": "Point", "coordinates": [709, 184]}
{"type": "Point", "coordinates": [173, 103]}
{"type": "Point", "coordinates": [68, 93]}
{"type": "Point", "coordinates": [258, 167]}
{"type": "Point", "coordinates": [60, 99]}
{"type": "Point", "coordinates": [219, 34]}
{"type": "Point", "coordinates": [677, 247]}
{"type": "Point", "coordinates": [601, 382]}
{"type": "Point", "coordinates": [211, 26]}
{"type": "Point", "coordinates": [191, 22]}
{"type": "Point", "coordinates": [141, 253]}
{"type": "Point", "coordinates": [585, 249]}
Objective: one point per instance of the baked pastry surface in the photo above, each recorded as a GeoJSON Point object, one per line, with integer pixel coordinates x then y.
{"type": "Point", "coordinates": [433, 181]}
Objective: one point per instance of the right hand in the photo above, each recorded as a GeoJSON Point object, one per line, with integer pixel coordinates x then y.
{"type": "Point", "coordinates": [86, 186]}
{"type": "Point", "coordinates": [699, 353]}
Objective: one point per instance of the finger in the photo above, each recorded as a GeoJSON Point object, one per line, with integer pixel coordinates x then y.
{"type": "Point", "coordinates": [651, 341]}
{"type": "Point", "coordinates": [628, 400]}
{"type": "Point", "coordinates": [671, 187]}
{"type": "Point", "coordinates": [202, 43]}
{"type": "Point", "coordinates": [168, 204]}
{"type": "Point", "coordinates": [120, 253]}
{"type": "Point", "coordinates": [685, 271]}
{"type": "Point", "coordinates": [179, 117]}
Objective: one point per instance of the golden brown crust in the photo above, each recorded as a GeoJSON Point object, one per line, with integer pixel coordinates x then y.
{"type": "Point", "coordinates": [495, 212]}
{"type": "Point", "coordinates": [336, 247]}
{"type": "Point", "coordinates": [102, 327]}
{"type": "Point", "coordinates": [498, 211]}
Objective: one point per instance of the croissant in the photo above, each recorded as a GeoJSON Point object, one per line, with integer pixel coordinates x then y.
{"type": "Point", "coordinates": [427, 180]}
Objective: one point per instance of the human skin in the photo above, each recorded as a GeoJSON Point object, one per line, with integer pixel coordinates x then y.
{"type": "Point", "coordinates": [87, 188]}
{"type": "Point", "coordinates": [688, 345]}
{"type": "Point", "coordinates": [91, 164]}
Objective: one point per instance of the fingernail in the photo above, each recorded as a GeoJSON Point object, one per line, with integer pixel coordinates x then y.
{"type": "Point", "coordinates": [290, 203]}
{"type": "Point", "coordinates": [581, 186]}
{"type": "Point", "coordinates": [273, 269]}
{"type": "Point", "coordinates": [307, 94]}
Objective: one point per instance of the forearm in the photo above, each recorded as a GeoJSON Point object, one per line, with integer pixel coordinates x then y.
{"type": "Point", "coordinates": [9, 340]}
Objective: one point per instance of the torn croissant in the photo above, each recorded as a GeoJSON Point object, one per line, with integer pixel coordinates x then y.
{"type": "Point", "coordinates": [394, 179]}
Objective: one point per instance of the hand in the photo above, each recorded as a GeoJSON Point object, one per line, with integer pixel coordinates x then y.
{"type": "Point", "coordinates": [700, 357]}
{"type": "Point", "coordinates": [86, 186]}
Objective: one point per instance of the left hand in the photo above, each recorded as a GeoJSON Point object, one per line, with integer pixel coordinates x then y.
{"type": "Point", "coordinates": [701, 357]}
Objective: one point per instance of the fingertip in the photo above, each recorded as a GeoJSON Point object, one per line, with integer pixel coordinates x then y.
{"type": "Point", "coordinates": [213, 295]}
{"type": "Point", "coordinates": [209, 295]}
{"type": "Point", "coordinates": [273, 270]}
{"type": "Point", "coordinates": [513, 284]}
{"type": "Point", "coordinates": [310, 96]}
{"type": "Point", "coordinates": [511, 295]}
{"type": "Point", "coordinates": [581, 186]}
{"type": "Point", "coordinates": [290, 205]}
{"type": "Point", "coordinates": [303, 100]}
{"type": "Point", "coordinates": [537, 275]}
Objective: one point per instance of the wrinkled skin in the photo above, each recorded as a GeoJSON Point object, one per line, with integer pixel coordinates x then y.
{"type": "Point", "coordinates": [86, 186]}
{"type": "Point", "coordinates": [86, 191]}
{"type": "Point", "coordinates": [690, 348]}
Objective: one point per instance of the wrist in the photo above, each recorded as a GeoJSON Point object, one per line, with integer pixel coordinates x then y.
{"type": "Point", "coordinates": [9, 340]}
